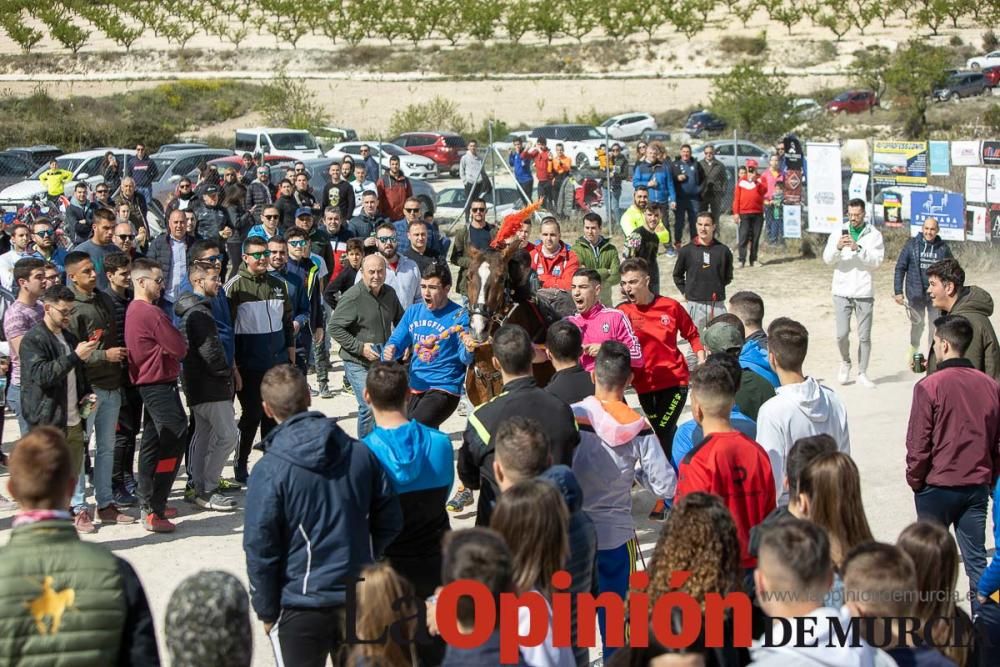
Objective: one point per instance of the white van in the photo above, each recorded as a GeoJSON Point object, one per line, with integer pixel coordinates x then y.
{"type": "Point", "coordinates": [295, 144]}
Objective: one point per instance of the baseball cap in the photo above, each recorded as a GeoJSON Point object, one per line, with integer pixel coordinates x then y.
{"type": "Point", "coordinates": [211, 190]}
{"type": "Point", "coordinates": [304, 211]}
{"type": "Point", "coordinates": [722, 337]}
{"type": "Point", "coordinates": [751, 163]}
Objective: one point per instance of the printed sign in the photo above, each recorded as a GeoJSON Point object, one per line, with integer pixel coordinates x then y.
{"type": "Point", "coordinates": [976, 224]}
{"type": "Point", "coordinates": [892, 206]}
{"type": "Point", "coordinates": [900, 163]}
{"type": "Point", "coordinates": [975, 184]}
{"type": "Point", "coordinates": [948, 208]}
{"type": "Point", "coordinates": [792, 219]}
{"type": "Point", "coordinates": [824, 193]}
{"type": "Point", "coordinates": [991, 152]}
{"type": "Point", "coordinates": [939, 158]}
{"type": "Point", "coordinates": [858, 187]}
{"type": "Point", "coordinates": [993, 186]}
{"type": "Point", "coordinates": [965, 153]}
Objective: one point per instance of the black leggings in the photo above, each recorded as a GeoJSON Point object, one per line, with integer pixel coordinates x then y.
{"type": "Point", "coordinates": [432, 407]}
{"type": "Point", "coordinates": [306, 637]}
{"type": "Point", "coordinates": [663, 408]}
{"type": "Point", "coordinates": [253, 416]}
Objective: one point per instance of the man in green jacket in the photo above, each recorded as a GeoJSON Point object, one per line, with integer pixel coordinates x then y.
{"type": "Point", "coordinates": [362, 323]}
{"type": "Point", "coordinates": [596, 252]}
{"type": "Point", "coordinates": [64, 601]}
{"type": "Point", "coordinates": [950, 295]}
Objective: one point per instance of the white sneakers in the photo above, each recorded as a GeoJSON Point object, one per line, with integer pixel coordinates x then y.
{"type": "Point", "coordinates": [865, 382]}
{"type": "Point", "coordinates": [844, 374]}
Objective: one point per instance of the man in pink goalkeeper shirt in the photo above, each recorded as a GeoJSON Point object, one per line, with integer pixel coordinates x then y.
{"type": "Point", "coordinates": [599, 323]}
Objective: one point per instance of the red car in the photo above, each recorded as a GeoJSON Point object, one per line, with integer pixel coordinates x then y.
{"type": "Point", "coordinates": [992, 76]}
{"type": "Point", "coordinates": [852, 101]}
{"type": "Point", "coordinates": [445, 148]}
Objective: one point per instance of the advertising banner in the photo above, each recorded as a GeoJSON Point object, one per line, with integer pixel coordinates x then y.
{"type": "Point", "coordinates": [858, 187]}
{"type": "Point", "coordinates": [939, 158]}
{"type": "Point", "coordinates": [991, 152]}
{"type": "Point", "coordinates": [948, 208]}
{"type": "Point", "coordinates": [825, 190]}
{"type": "Point", "coordinates": [900, 163]}
{"type": "Point", "coordinates": [792, 219]}
{"type": "Point", "coordinates": [975, 184]}
{"type": "Point", "coordinates": [892, 209]}
{"type": "Point", "coordinates": [965, 153]}
{"type": "Point", "coordinates": [793, 184]}
{"type": "Point", "coordinates": [993, 186]}
{"type": "Point", "coordinates": [976, 224]}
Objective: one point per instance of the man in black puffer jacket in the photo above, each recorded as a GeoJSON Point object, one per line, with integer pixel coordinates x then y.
{"type": "Point", "coordinates": [911, 271]}
{"type": "Point", "coordinates": [208, 385]}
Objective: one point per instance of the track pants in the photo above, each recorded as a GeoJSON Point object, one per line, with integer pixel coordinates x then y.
{"type": "Point", "coordinates": [614, 566]}
{"type": "Point", "coordinates": [663, 408]}
{"type": "Point", "coordinates": [306, 637]}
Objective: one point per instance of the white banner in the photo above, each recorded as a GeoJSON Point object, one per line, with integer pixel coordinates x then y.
{"type": "Point", "coordinates": [979, 223]}
{"type": "Point", "coordinates": [824, 188]}
{"type": "Point", "coordinates": [792, 218]}
{"type": "Point", "coordinates": [858, 187]}
{"type": "Point", "coordinates": [975, 184]}
{"type": "Point", "coordinates": [993, 186]}
{"type": "Point", "coordinates": [965, 153]}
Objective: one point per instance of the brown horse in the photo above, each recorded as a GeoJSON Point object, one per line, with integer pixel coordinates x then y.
{"type": "Point", "coordinates": [498, 293]}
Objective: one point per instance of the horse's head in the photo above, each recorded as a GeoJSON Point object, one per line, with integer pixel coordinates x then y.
{"type": "Point", "coordinates": [486, 283]}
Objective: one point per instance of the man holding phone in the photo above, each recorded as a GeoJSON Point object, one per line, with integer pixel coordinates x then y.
{"type": "Point", "coordinates": [855, 253]}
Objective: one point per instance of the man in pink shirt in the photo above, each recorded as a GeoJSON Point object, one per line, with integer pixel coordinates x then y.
{"type": "Point", "coordinates": [599, 323]}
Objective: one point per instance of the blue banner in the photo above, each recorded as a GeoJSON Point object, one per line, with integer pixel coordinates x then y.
{"type": "Point", "coordinates": [948, 208]}
{"type": "Point", "coordinates": [940, 158]}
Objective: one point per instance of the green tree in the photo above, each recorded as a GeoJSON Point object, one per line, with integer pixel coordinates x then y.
{"type": "Point", "coordinates": [751, 100]}
{"type": "Point", "coordinates": [288, 102]}
{"type": "Point", "coordinates": [545, 20]}
{"type": "Point", "coordinates": [785, 12]}
{"type": "Point", "coordinates": [915, 70]}
{"type": "Point", "coordinates": [869, 68]}
{"type": "Point", "coordinates": [481, 18]}
{"type": "Point", "coordinates": [440, 113]}
{"type": "Point", "coordinates": [834, 18]}
{"type": "Point", "coordinates": [621, 19]}
{"type": "Point", "coordinates": [581, 17]}
{"type": "Point", "coordinates": [517, 18]}
{"type": "Point", "coordinates": [932, 14]}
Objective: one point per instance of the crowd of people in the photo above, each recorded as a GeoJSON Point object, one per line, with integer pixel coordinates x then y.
{"type": "Point", "coordinates": [127, 359]}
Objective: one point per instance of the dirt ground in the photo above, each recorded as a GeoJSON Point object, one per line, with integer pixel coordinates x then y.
{"type": "Point", "coordinates": [796, 288]}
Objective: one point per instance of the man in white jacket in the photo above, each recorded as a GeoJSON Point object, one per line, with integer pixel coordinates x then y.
{"type": "Point", "coordinates": [855, 255]}
{"type": "Point", "coordinates": [801, 406]}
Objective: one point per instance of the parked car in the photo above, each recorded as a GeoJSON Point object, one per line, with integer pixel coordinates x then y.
{"type": "Point", "coordinates": [905, 194]}
{"type": "Point", "coordinates": [336, 134]}
{"type": "Point", "coordinates": [579, 141]}
{"type": "Point", "coordinates": [852, 101]}
{"type": "Point", "coordinates": [655, 135]}
{"type": "Point", "coordinates": [37, 155]}
{"type": "Point", "coordinates": [85, 165]}
{"type": "Point", "coordinates": [175, 164]}
{"type": "Point", "coordinates": [980, 62]}
{"type": "Point", "coordinates": [451, 201]}
{"type": "Point", "coordinates": [804, 108]}
{"type": "Point", "coordinates": [734, 154]}
{"type": "Point", "coordinates": [318, 170]}
{"type": "Point", "coordinates": [298, 144]}
{"type": "Point", "coordinates": [992, 76]}
{"type": "Point", "coordinates": [236, 162]}
{"type": "Point", "coordinates": [628, 125]}
{"type": "Point", "coordinates": [703, 122]}
{"type": "Point", "coordinates": [168, 148]}
{"type": "Point", "coordinates": [504, 145]}
{"type": "Point", "coordinates": [14, 168]}
{"type": "Point", "coordinates": [414, 166]}
{"type": "Point", "coordinates": [444, 148]}
{"type": "Point", "coordinates": [963, 84]}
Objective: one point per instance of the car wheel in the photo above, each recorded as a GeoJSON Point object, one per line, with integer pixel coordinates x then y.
{"type": "Point", "coordinates": [581, 161]}
{"type": "Point", "coordinates": [976, 66]}
{"type": "Point", "coordinates": [954, 97]}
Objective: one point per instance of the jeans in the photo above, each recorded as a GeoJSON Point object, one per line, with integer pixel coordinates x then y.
{"type": "Point", "coordinates": [321, 351]}
{"type": "Point", "coordinates": [751, 225]}
{"type": "Point", "coordinates": [252, 416]}
{"type": "Point", "coordinates": [773, 224]}
{"type": "Point", "coordinates": [14, 401]}
{"type": "Point", "coordinates": [918, 312]}
{"type": "Point", "coordinates": [527, 186]}
{"type": "Point", "coordinates": [147, 194]}
{"type": "Point", "coordinates": [687, 209]}
{"type": "Point", "coordinates": [963, 507]}
{"type": "Point", "coordinates": [863, 309]}
{"type": "Point", "coordinates": [76, 445]}
{"type": "Point", "coordinates": [357, 375]}
{"type": "Point", "coordinates": [102, 423]}
{"type": "Point", "coordinates": [214, 439]}
{"type": "Point", "coordinates": [163, 441]}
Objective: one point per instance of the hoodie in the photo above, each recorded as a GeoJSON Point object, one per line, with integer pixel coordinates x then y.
{"type": "Point", "coordinates": [418, 461]}
{"type": "Point", "coordinates": [613, 439]}
{"type": "Point", "coordinates": [319, 507]}
{"type": "Point", "coordinates": [823, 649]}
{"type": "Point", "coordinates": [753, 357]}
{"type": "Point", "coordinates": [976, 305]}
{"type": "Point", "coordinates": [798, 411]}
{"type": "Point", "coordinates": [439, 358]}
{"type": "Point", "coordinates": [207, 373]}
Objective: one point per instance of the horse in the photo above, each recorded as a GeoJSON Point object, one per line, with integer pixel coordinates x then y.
{"type": "Point", "coordinates": [50, 604]}
{"type": "Point", "coordinates": [500, 292]}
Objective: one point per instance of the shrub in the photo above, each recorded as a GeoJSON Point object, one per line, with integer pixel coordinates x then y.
{"type": "Point", "coordinates": [990, 41]}
{"type": "Point", "coordinates": [955, 40]}
{"type": "Point", "coordinates": [438, 114]}
{"type": "Point", "coordinates": [288, 102]}
{"type": "Point", "coordinates": [992, 117]}
{"type": "Point", "coordinates": [735, 44]}
{"type": "Point", "coordinates": [752, 100]}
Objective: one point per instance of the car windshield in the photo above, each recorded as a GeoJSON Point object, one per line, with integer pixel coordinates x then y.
{"type": "Point", "coordinates": [451, 197]}
{"type": "Point", "coordinates": [163, 163]}
{"type": "Point", "coordinates": [293, 141]}
{"type": "Point", "coordinates": [582, 133]}
{"type": "Point", "coordinates": [843, 97]}
{"type": "Point", "coordinates": [609, 122]}
{"type": "Point", "coordinates": [69, 164]}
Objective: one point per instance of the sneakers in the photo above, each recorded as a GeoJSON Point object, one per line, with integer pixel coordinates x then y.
{"type": "Point", "coordinates": [228, 486]}
{"type": "Point", "coordinates": [865, 382]}
{"type": "Point", "coordinates": [326, 392]}
{"type": "Point", "coordinates": [313, 391]}
{"type": "Point", "coordinates": [111, 514]}
{"type": "Point", "coordinates": [240, 473]}
{"type": "Point", "coordinates": [189, 493]}
{"type": "Point", "coordinates": [671, 252]}
{"type": "Point", "coordinates": [844, 374]}
{"type": "Point", "coordinates": [84, 522]}
{"type": "Point", "coordinates": [464, 407]}
{"type": "Point", "coordinates": [460, 500]}
{"type": "Point", "coordinates": [660, 510]}
{"type": "Point", "coordinates": [6, 504]}
{"type": "Point", "coordinates": [215, 501]}
{"type": "Point", "coordinates": [169, 512]}
{"type": "Point", "coordinates": [123, 498]}
{"type": "Point", "coordinates": [155, 524]}
{"type": "Point", "coordinates": [346, 389]}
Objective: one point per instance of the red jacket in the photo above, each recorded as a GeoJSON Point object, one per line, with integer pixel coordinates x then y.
{"type": "Point", "coordinates": [748, 197]}
{"type": "Point", "coordinates": [392, 192]}
{"type": "Point", "coordinates": [954, 434]}
{"type": "Point", "coordinates": [155, 346]}
{"type": "Point", "coordinates": [558, 271]}
{"type": "Point", "coordinates": [542, 159]}
{"type": "Point", "coordinates": [737, 469]}
{"type": "Point", "coordinates": [656, 325]}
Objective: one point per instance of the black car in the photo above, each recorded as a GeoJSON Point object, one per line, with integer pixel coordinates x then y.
{"type": "Point", "coordinates": [38, 155]}
{"type": "Point", "coordinates": [703, 122]}
{"type": "Point", "coordinates": [14, 169]}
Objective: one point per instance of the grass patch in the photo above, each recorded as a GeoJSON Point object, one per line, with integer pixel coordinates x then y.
{"type": "Point", "coordinates": [154, 116]}
{"type": "Point", "coordinates": [818, 52]}
{"type": "Point", "coordinates": [743, 44]}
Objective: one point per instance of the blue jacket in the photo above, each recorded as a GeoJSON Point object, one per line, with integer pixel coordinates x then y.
{"type": "Point", "coordinates": [664, 192]}
{"type": "Point", "coordinates": [319, 508]}
{"type": "Point", "coordinates": [258, 230]}
{"type": "Point", "coordinates": [445, 369]}
{"type": "Point", "coordinates": [300, 302]}
{"type": "Point", "coordinates": [261, 311]}
{"type": "Point", "coordinates": [753, 356]}
{"type": "Point", "coordinates": [220, 312]}
{"type": "Point", "coordinates": [911, 267]}
{"type": "Point", "coordinates": [521, 167]}
{"type": "Point", "coordinates": [989, 583]}
{"type": "Point", "coordinates": [58, 259]}
{"type": "Point", "coordinates": [690, 434]}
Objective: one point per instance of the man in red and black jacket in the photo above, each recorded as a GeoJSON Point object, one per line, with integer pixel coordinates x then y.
{"type": "Point", "coordinates": [552, 260]}
{"type": "Point", "coordinates": [726, 463]}
{"type": "Point", "coordinates": [748, 206]}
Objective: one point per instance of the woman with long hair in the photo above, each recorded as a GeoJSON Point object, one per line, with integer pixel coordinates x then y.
{"type": "Point", "coordinates": [934, 553]}
{"type": "Point", "coordinates": [112, 172]}
{"type": "Point", "coordinates": [533, 519]}
{"type": "Point", "coordinates": [384, 598]}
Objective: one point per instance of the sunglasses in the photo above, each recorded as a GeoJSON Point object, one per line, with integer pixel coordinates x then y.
{"type": "Point", "coordinates": [214, 259]}
{"type": "Point", "coordinates": [126, 237]}
{"type": "Point", "coordinates": [298, 243]}
{"type": "Point", "coordinates": [270, 217]}
{"type": "Point", "coordinates": [385, 239]}
{"type": "Point", "coordinates": [101, 192]}
{"type": "Point", "coordinates": [64, 313]}
{"type": "Point", "coordinates": [44, 233]}
{"type": "Point", "coordinates": [259, 255]}
{"type": "Point", "coordinates": [478, 209]}
{"type": "Point", "coordinates": [412, 210]}
{"type": "Point", "coordinates": [158, 281]}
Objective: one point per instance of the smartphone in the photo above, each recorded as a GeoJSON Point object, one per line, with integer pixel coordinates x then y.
{"type": "Point", "coordinates": [96, 336]}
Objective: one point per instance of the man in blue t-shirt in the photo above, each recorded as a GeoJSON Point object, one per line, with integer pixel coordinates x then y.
{"type": "Point", "coordinates": [435, 331]}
